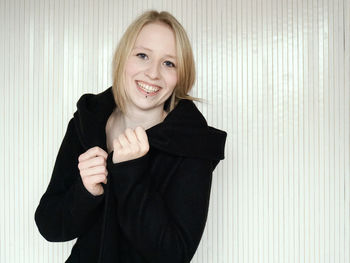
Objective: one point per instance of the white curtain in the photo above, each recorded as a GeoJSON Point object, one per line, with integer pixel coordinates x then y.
{"type": "Point", "coordinates": [276, 75]}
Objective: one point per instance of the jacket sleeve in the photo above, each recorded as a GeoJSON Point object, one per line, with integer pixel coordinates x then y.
{"type": "Point", "coordinates": [67, 209]}
{"type": "Point", "coordinates": [162, 228]}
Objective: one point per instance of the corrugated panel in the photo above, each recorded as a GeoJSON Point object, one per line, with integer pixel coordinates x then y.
{"type": "Point", "coordinates": [276, 74]}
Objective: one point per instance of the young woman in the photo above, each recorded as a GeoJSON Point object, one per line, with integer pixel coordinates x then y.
{"type": "Point", "coordinates": [133, 175]}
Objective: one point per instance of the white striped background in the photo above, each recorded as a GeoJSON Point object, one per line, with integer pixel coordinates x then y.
{"type": "Point", "coordinates": [276, 75]}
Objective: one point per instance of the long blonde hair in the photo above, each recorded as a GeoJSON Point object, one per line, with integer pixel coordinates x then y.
{"type": "Point", "coordinates": [185, 62]}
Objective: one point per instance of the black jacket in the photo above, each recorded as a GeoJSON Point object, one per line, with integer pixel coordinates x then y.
{"type": "Point", "coordinates": [154, 208]}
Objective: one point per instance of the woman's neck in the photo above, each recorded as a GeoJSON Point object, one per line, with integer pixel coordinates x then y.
{"type": "Point", "coordinates": [135, 118]}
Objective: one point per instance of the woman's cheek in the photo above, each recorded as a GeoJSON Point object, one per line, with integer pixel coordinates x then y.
{"type": "Point", "coordinates": [172, 79]}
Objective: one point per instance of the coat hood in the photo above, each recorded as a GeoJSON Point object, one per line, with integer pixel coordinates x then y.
{"type": "Point", "coordinates": [184, 131]}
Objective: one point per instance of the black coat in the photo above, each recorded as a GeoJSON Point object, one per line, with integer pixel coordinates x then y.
{"type": "Point", "coordinates": [154, 208]}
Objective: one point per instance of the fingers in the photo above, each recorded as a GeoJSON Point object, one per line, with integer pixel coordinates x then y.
{"type": "Point", "coordinates": [93, 152]}
{"type": "Point", "coordinates": [97, 161]}
{"type": "Point", "coordinates": [131, 136]}
{"type": "Point", "coordinates": [93, 163]}
{"type": "Point", "coordinates": [123, 141]}
{"type": "Point", "coordinates": [94, 171]}
{"type": "Point", "coordinates": [130, 145]}
{"type": "Point", "coordinates": [142, 137]}
{"type": "Point", "coordinates": [127, 139]}
{"type": "Point", "coordinates": [116, 144]}
{"type": "Point", "coordinates": [96, 179]}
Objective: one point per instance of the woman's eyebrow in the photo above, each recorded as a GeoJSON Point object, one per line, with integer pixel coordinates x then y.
{"type": "Point", "coordinates": [166, 55]}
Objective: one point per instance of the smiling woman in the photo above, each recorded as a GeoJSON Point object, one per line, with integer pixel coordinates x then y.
{"type": "Point", "coordinates": [133, 174]}
{"type": "Point", "coordinates": [171, 42]}
{"type": "Point", "coordinates": [150, 68]}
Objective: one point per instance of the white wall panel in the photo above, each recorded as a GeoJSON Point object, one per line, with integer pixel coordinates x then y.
{"type": "Point", "coordinates": [276, 74]}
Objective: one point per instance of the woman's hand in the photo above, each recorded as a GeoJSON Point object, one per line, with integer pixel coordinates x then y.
{"type": "Point", "coordinates": [93, 171]}
{"type": "Point", "coordinates": [132, 144]}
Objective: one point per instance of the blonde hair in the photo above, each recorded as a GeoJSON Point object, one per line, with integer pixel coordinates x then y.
{"type": "Point", "coordinates": [186, 72]}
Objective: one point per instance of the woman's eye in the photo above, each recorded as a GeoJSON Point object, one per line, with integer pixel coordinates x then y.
{"type": "Point", "coordinates": [169, 64]}
{"type": "Point", "coordinates": [141, 55]}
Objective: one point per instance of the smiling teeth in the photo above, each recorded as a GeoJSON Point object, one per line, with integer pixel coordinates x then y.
{"type": "Point", "coordinates": [147, 87]}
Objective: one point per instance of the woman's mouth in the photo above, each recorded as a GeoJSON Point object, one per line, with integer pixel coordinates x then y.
{"type": "Point", "coordinates": [148, 90]}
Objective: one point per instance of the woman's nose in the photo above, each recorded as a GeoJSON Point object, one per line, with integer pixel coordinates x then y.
{"type": "Point", "coordinates": [152, 71]}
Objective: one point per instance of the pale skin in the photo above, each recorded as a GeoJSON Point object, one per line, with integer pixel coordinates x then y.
{"type": "Point", "coordinates": [152, 61]}
{"type": "Point", "coordinates": [129, 145]}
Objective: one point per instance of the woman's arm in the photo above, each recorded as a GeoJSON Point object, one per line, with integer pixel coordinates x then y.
{"type": "Point", "coordinates": [67, 209]}
{"type": "Point", "coordinates": [163, 229]}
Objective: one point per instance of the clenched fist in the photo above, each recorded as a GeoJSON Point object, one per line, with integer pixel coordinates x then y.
{"type": "Point", "coordinates": [132, 144]}
{"type": "Point", "coordinates": [93, 171]}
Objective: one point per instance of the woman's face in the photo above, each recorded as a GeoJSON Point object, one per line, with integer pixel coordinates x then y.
{"type": "Point", "coordinates": [150, 70]}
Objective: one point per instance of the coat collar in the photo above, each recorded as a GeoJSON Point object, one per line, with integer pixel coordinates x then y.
{"type": "Point", "coordinates": [184, 131]}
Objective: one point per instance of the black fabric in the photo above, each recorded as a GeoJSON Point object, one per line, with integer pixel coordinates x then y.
{"type": "Point", "coordinates": [154, 208]}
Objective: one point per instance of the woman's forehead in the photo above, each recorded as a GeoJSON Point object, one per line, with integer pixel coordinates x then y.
{"type": "Point", "coordinates": [156, 36]}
